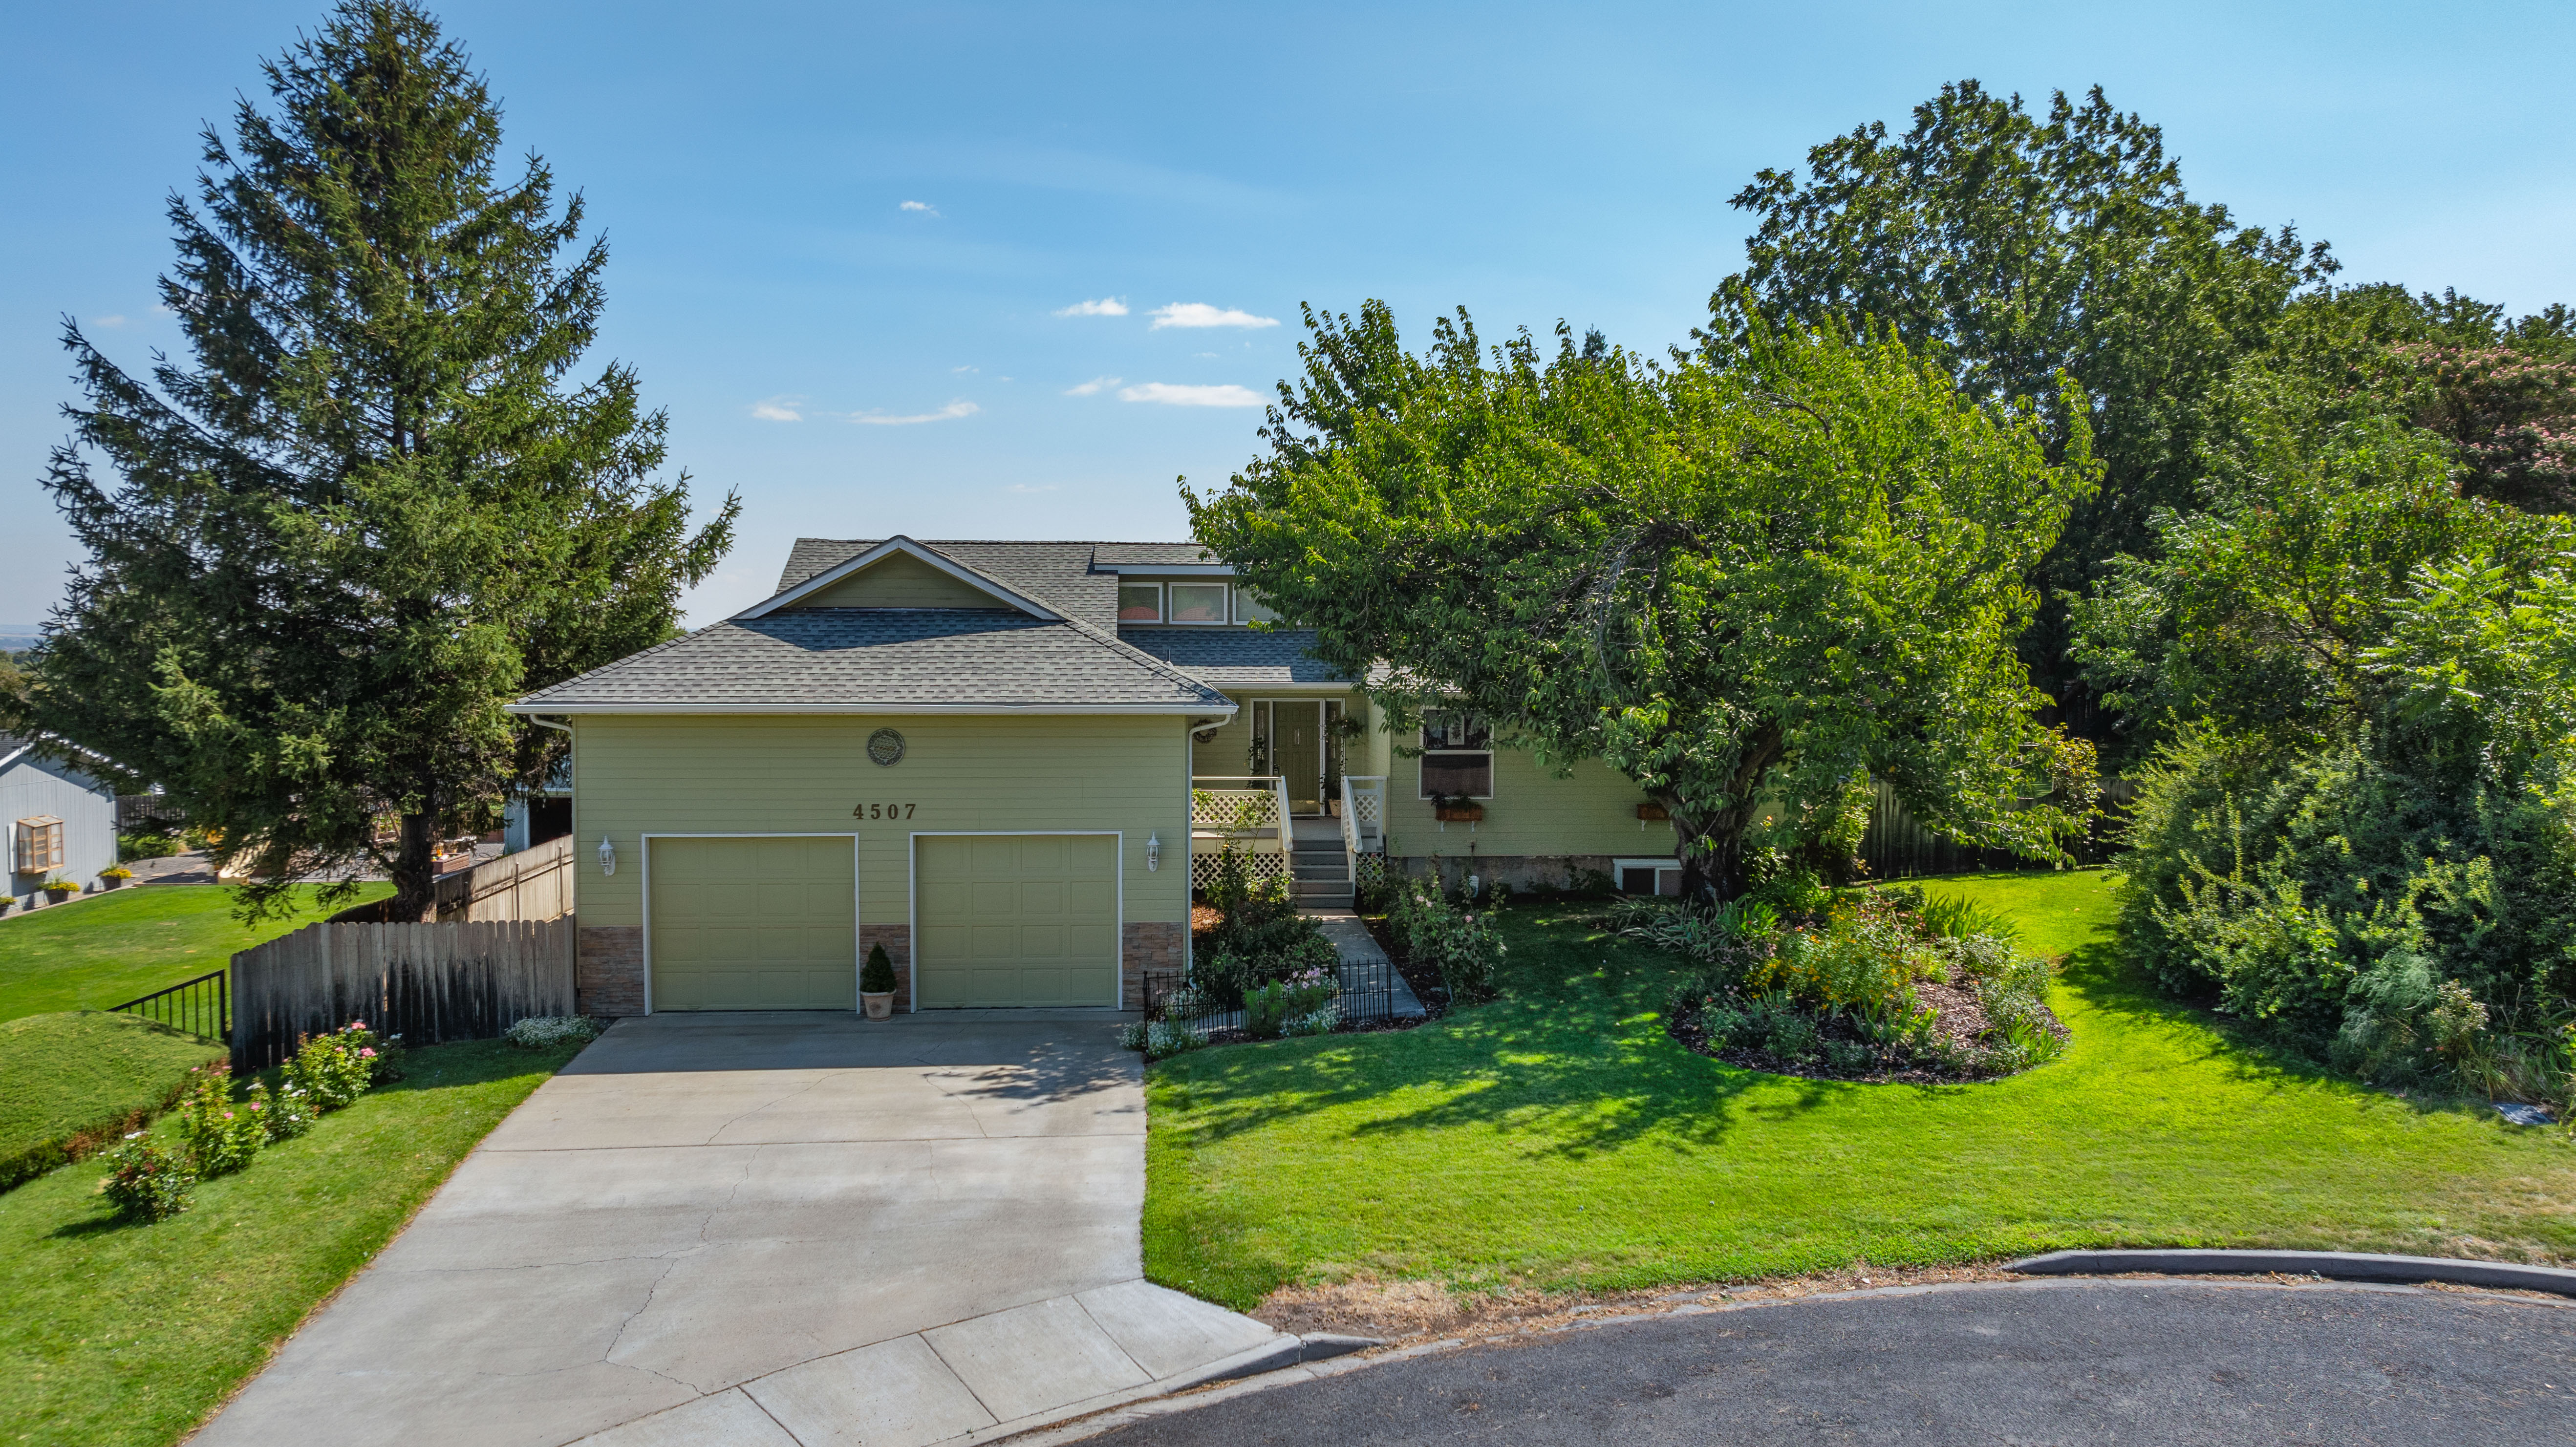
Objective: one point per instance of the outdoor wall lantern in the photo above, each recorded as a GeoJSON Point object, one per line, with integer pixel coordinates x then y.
{"type": "Point", "coordinates": [1153, 852]}
{"type": "Point", "coordinates": [607, 856]}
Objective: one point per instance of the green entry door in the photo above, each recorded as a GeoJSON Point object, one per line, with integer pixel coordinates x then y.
{"type": "Point", "coordinates": [754, 924]}
{"type": "Point", "coordinates": [1015, 919]}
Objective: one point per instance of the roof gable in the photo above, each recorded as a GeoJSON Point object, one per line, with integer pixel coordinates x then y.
{"type": "Point", "coordinates": [900, 569]}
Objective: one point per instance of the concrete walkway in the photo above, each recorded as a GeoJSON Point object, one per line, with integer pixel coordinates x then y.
{"type": "Point", "coordinates": [771, 1229]}
{"type": "Point", "coordinates": [1363, 957]}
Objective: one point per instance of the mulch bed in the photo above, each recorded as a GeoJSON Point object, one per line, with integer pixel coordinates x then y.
{"type": "Point", "coordinates": [1961, 1019]}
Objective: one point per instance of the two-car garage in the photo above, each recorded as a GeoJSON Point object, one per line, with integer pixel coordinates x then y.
{"type": "Point", "coordinates": [770, 922]}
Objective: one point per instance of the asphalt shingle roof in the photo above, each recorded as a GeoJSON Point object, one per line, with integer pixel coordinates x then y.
{"type": "Point", "coordinates": [866, 657]}
{"type": "Point", "coordinates": [1232, 657]}
{"type": "Point", "coordinates": [1058, 574]}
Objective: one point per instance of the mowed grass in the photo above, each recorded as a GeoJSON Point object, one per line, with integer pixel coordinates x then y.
{"type": "Point", "coordinates": [113, 947]}
{"type": "Point", "coordinates": [1560, 1139]}
{"type": "Point", "coordinates": [69, 1072]}
{"type": "Point", "coordinates": [127, 1335]}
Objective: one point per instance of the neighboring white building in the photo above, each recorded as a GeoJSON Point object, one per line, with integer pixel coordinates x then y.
{"type": "Point", "coordinates": [62, 822]}
{"type": "Point", "coordinates": [528, 820]}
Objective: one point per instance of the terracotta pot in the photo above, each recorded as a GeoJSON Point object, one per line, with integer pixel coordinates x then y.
{"type": "Point", "coordinates": [879, 1007]}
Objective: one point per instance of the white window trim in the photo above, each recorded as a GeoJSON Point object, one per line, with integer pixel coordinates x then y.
{"type": "Point", "coordinates": [912, 894]}
{"type": "Point", "coordinates": [1225, 609]}
{"type": "Point", "coordinates": [1493, 772]}
{"type": "Point", "coordinates": [1658, 863]}
{"type": "Point", "coordinates": [858, 956]}
{"type": "Point", "coordinates": [1159, 610]}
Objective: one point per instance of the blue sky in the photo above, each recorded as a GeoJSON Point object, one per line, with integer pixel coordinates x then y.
{"type": "Point", "coordinates": [847, 238]}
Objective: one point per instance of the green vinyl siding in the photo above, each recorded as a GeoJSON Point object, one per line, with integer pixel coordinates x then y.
{"type": "Point", "coordinates": [754, 924]}
{"type": "Point", "coordinates": [900, 580]}
{"type": "Point", "coordinates": [804, 774]}
{"type": "Point", "coordinates": [1015, 919]}
{"type": "Point", "coordinates": [1592, 811]}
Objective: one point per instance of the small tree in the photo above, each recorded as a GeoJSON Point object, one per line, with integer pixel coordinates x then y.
{"type": "Point", "coordinates": [371, 511]}
{"type": "Point", "coordinates": [1768, 580]}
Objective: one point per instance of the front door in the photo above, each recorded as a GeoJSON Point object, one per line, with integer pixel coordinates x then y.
{"type": "Point", "coordinates": [1296, 737]}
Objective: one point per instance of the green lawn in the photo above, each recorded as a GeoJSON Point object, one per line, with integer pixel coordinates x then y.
{"type": "Point", "coordinates": [110, 948]}
{"type": "Point", "coordinates": [1560, 1139]}
{"type": "Point", "coordinates": [126, 1334]}
{"type": "Point", "coordinates": [66, 1072]}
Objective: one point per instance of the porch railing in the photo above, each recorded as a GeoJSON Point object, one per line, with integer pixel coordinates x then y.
{"type": "Point", "coordinates": [1248, 812]}
{"type": "Point", "coordinates": [1363, 824]}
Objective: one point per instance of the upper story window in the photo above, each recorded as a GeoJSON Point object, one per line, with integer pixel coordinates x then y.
{"type": "Point", "coordinates": [1140, 602]}
{"type": "Point", "coordinates": [39, 844]}
{"type": "Point", "coordinates": [1248, 608]}
{"type": "Point", "coordinates": [1198, 602]}
{"type": "Point", "coordinates": [1457, 755]}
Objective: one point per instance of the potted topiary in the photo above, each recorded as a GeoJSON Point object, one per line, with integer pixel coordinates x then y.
{"type": "Point", "coordinates": [114, 875]}
{"type": "Point", "coordinates": [876, 983]}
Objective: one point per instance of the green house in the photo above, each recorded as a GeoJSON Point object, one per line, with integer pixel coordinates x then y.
{"type": "Point", "coordinates": [1006, 762]}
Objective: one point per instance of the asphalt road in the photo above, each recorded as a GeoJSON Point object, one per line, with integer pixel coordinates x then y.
{"type": "Point", "coordinates": [2075, 1362]}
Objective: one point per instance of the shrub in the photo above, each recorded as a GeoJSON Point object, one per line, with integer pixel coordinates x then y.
{"type": "Point", "coordinates": [1435, 933]}
{"type": "Point", "coordinates": [335, 1069]}
{"type": "Point", "coordinates": [289, 1113]}
{"type": "Point", "coordinates": [876, 977]}
{"type": "Point", "coordinates": [147, 1181]}
{"type": "Point", "coordinates": [1160, 1039]}
{"type": "Point", "coordinates": [221, 1135]}
{"type": "Point", "coordinates": [1268, 1008]}
{"type": "Point", "coordinates": [543, 1032]}
{"type": "Point", "coordinates": [146, 846]}
{"type": "Point", "coordinates": [116, 871]}
{"type": "Point", "coordinates": [1260, 938]}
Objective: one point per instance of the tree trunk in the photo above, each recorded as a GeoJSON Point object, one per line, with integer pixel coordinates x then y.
{"type": "Point", "coordinates": [415, 871]}
{"type": "Point", "coordinates": [1718, 869]}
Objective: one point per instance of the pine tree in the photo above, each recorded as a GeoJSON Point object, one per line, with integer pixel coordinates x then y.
{"type": "Point", "coordinates": [375, 505]}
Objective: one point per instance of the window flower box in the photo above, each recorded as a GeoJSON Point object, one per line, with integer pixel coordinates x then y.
{"type": "Point", "coordinates": [1459, 811]}
{"type": "Point", "coordinates": [1653, 811]}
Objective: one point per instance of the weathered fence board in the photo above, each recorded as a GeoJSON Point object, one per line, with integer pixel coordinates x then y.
{"type": "Point", "coordinates": [428, 983]}
{"type": "Point", "coordinates": [1897, 846]}
{"type": "Point", "coordinates": [535, 883]}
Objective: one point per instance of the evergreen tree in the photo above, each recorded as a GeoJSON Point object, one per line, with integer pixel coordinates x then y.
{"type": "Point", "coordinates": [374, 506]}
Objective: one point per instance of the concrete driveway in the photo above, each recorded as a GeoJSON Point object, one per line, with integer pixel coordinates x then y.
{"type": "Point", "coordinates": [771, 1229]}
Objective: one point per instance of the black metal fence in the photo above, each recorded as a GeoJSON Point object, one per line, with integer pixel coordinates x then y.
{"type": "Point", "coordinates": [1369, 999]}
{"type": "Point", "coordinates": [202, 1006]}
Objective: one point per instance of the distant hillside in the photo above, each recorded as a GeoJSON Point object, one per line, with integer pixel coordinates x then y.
{"type": "Point", "coordinates": [15, 637]}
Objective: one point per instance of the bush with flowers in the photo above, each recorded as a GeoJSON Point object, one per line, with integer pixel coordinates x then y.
{"type": "Point", "coordinates": [335, 1069]}
{"type": "Point", "coordinates": [222, 1134]}
{"type": "Point", "coordinates": [148, 1181]}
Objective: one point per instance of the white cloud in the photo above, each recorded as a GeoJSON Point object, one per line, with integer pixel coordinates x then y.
{"type": "Point", "coordinates": [114, 321]}
{"type": "Point", "coordinates": [1093, 387]}
{"type": "Point", "coordinates": [1175, 394]}
{"type": "Point", "coordinates": [1200, 314]}
{"type": "Point", "coordinates": [924, 207]}
{"type": "Point", "coordinates": [959, 408]}
{"type": "Point", "coordinates": [779, 409]}
{"type": "Point", "coordinates": [965, 369]}
{"type": "Point", "coordinates": [1107, 306]}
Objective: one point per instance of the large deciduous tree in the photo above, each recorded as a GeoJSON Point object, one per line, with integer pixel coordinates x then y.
{"type": "Point", "coordinates": [2012, 248]}
{"type": "Point", "coordinates": [1749, 585]}
{"type": "Point", "coordinates": [374, 504]}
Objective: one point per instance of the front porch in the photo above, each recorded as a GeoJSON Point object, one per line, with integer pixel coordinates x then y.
{"type": "Point", "coordinates": [1317, 855]}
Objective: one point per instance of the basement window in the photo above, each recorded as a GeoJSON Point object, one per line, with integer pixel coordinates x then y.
{"type": "Point", "coordinates": [1648, 876]}
{"type": "Point", "coordinates": [39, 844]}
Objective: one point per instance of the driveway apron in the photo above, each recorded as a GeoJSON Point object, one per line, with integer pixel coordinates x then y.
{"type": "Point", "coordinates": [774, 1229]}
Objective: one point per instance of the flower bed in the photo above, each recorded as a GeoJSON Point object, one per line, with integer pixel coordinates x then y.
{"type": "Point", "coordinates": [1881, 986]}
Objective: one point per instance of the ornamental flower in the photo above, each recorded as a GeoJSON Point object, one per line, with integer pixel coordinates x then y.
{"type": "Point", "coordinates": [365, 1053]}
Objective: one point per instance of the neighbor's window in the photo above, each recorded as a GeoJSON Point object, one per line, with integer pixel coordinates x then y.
{"type": "Point", "coordinates": [1198, 602]}
{"type": "Point", "coordinates": [1248, 608]}
{"type": "Point", "coordinates": [1457, 756]}
{"type": "Point", "coordinates": [40, 844]}
{"type": "Point", "coordinates": [1140, 602]}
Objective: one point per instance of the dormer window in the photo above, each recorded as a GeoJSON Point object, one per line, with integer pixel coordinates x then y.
{"type": "Point", "coordinates": [1140, 602]}
{"type": "Point", "coordinates": [1198, 602]}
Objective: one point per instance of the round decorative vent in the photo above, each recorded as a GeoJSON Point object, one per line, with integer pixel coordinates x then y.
{"type": "Point", "coordinates": [885, 746]}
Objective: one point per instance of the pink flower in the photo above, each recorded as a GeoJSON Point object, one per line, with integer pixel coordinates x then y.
{"type": "Point", "coordinates": [365, 1053]}
{"type": "Point", "coordinates": [357, 1024]}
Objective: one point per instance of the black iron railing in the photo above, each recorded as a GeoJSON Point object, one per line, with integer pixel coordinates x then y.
{"type": "Point", "coordinates": [202, 1006]}
{"type": "Point", "coordinates": [1367, 998]}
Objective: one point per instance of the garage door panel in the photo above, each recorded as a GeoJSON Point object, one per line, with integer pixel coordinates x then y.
{"type": "Point", "coordinates": [1016, 919]}
{"type": "Point", "coordinates": [754, 924]}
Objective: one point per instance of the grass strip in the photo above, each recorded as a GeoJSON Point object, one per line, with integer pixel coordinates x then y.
{"type": "Point", "coordinates": [126, 943]}
{"type": "Point", "coordinates": [128, 1335]}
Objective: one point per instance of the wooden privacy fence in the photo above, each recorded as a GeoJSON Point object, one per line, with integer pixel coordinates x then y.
{"type": "Point", "coordinates": [535, 883]}
{"type": "Point", "coordinates": [1897, 845]}
{"type": "Point", "coordinates": [425, 982]}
